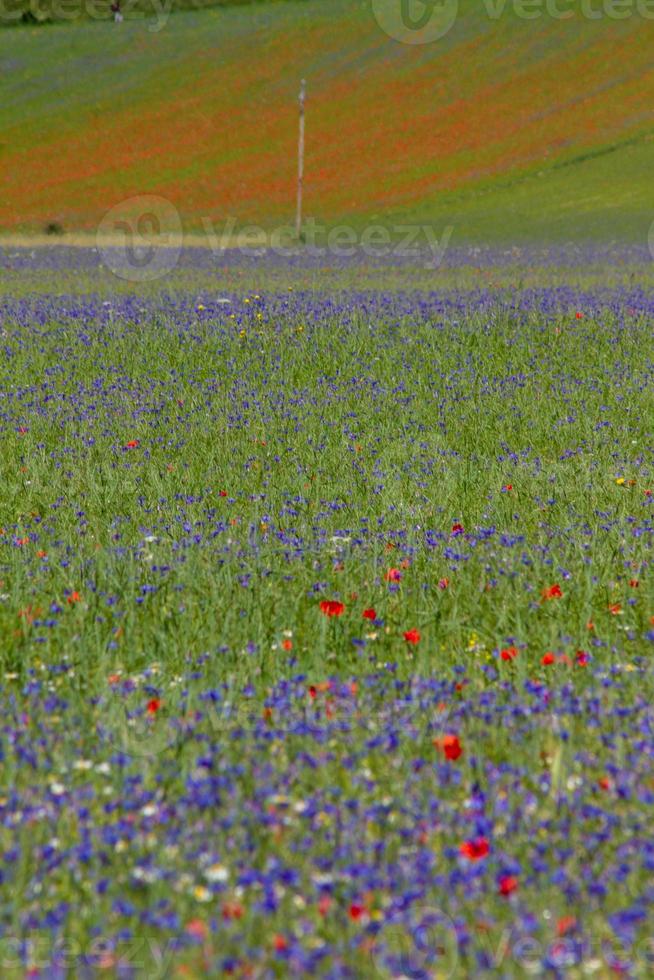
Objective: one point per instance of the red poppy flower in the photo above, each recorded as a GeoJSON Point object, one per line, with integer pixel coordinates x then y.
{"type": "Point", "coordinates": [565, 925]}
{"type": "Point", "coordinates": [450, 746]}
{"type": "Point", "coordinates": [312, 692]}
{"type": "Point", "coordinates": [197, 928]}
{"type": "Point", "coordinates": [475, 850]}
{"type": "Point", "coordinates": [582, 658]}
{"type": "Point", "coordinates": [369, 614]}
{"type": "Point", "coordinates": [132, 444]}
{"type": "Point", "coordinates": [579, 316]}
{"type": "Point", "coordinates": [604, 783]}
{"type": "Point", "coordinates": [443, 583]}
{"type": "Point", "coordinates": [507, 885]}
{"type": "Point", "coordinates": [393, 575]}
{"type": "Point", "coordinates": [153, 706]}
{"type": "Point", "coordinates": [324, 904]}
{"type": "Point", "coordinates": [615, 609]}
{"type": "Point", "coordinates": [547, 659]}
{"type": "Point", "coordinates": [356, 911]}
{"type": "Point", "coordinates": [287, 644]}
{"type": "Point", "coordinates": [412, 636]}
{"type": "Point", "coordinates": [457, 529]}
{"type": "Point", "coordinates": [554, 592]}
{"type": "Point", "coordinates": [232, 910]}
{"type": "Point", "coordinates": [509, 653]}
{"type": "Point", "coordinates": [507, 487]}
{"type": "Point", "coordinates": [280, 943]}
{"type": "Point", "coordinates": [73, 597]}
{"type": "Point", "coordinates": [330, 607]}
{"type": "Point", "coordinates": [633, 583]}
{"type": "Point", "coordinates": [222, 493]}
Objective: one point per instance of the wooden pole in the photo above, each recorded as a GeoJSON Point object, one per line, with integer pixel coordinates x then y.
{"type": "Point", "coordinates": [300, 164]}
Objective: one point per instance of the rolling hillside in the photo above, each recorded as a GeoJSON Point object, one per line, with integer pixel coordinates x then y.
{"type": "Point", "coordinates": [505, 128]}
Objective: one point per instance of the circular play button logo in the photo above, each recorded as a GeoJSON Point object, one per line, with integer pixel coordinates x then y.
{"type": "Point", "coordinates": [141, 238]}
{"type": "Point", "coordinates": [415, 21]}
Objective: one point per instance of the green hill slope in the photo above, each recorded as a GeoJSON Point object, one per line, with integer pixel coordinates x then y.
{"type": "Point", "coordinates": [503, 128]}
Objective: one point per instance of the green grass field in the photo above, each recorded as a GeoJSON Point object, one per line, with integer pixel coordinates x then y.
{"type": "Point", "coordinates": [327, 617]}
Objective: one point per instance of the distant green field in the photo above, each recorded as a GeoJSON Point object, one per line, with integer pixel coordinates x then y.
{"type": "Point", "coordinates": [47, 12]}
{"type": "Point", "coordinates": [504, 129]}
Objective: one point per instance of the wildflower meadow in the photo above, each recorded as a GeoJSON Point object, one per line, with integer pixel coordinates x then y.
{"type": "Point", "coordinates": [327, 618]}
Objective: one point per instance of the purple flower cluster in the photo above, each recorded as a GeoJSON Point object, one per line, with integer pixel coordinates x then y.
{"type": "Point", "coordinates": [325, 829]}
